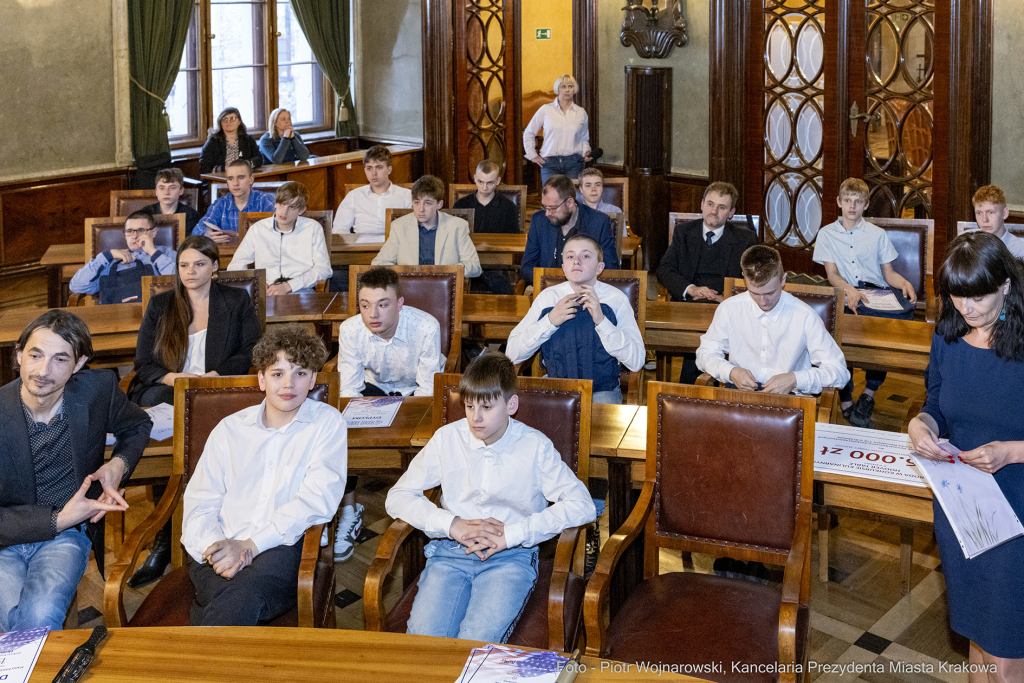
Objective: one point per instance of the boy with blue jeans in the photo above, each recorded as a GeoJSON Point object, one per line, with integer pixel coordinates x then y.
{"type": "Point", "coordinates": [497, 476]}
{"type": "Point", "coordinates": [859, 255]}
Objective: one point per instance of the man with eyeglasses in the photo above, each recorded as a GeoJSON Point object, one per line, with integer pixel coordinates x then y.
{"type": "Point", "coordinates": [559, 219]}
{"type": "Point", "coordinates": [142, 253]}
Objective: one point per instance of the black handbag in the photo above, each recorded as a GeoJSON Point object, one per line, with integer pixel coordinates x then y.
{"type": "Point", "coordinates": [121, 286]}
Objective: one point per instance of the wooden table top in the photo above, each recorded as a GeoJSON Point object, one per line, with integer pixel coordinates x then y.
{"type": "Point", "coordinates": [102, 320]}
{"type": "Point", "coordinates": [281, 655]}
{"type": "Point", "coordinates": [399, 434]}
{"type": "Point", "coordinates": [634, 443]}
{"type": "Point", "coordinates": [306, 307]}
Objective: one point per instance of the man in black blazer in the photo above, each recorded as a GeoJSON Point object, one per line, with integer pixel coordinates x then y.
{"type": "Point", "coordinates": [702, 254]}
{"type": "Point", "coordinates": [55, 487]}
{"type": "Point", "coordinates": [559, 219]}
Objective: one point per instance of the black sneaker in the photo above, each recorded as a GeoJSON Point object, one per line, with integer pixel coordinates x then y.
{"type": "Point", "coordinates": [593, 550]}
{"type": "Point", "coordinates": [848, 412]}
{"type": "Point", "coordinates": [861, 416]}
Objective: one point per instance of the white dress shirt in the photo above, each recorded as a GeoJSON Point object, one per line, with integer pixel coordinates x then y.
{"type": "Point", "coordinates": [621, 340]}
{"type": "Point", "coordinates": [564, 134]}
{"type": "Point", "coordinates": [512, 480]}
{"type": "Point", "coordinates": [788, 338]}
{"type": "Point", "coordinates": [300, 256]}
{"type": "Point", "coordinates": [267, 485]}
{"type": "Point", "coordinates": [1014, 244]}
{"type": "Point", "coordinates": [363, 211]}
{"type": "Point", "coordinates": [857, 253]}
{"type": "Point", "coordinates": [405, 363]}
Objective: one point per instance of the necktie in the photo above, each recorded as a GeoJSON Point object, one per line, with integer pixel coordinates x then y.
{"type": "Point", "coordinates": [710, 239]}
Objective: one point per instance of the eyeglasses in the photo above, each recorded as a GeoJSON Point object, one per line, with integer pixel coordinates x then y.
{"type": "Point", "coordinates": [132, 232]}
{"type": "Point", "coordinates": [552, 209]}
{"type": "Point", "coordinates": [231, 119]}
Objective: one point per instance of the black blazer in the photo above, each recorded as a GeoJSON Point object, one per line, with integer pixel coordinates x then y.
{"type": "Point", "coordinates": [231, 333]}
{"type": "Point", "coordinates": [94, 406]}
{"type": "Point", "coordinates": [215, 152]}
{"type": "Point", "coordinates": [678, 266]}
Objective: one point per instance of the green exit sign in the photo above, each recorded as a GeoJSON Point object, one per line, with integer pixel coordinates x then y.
{"type": "Point", "coordinates": [543, 34]}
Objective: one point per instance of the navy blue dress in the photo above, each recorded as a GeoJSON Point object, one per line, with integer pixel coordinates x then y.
{"type": "Point", "coordinates": [976, 398]}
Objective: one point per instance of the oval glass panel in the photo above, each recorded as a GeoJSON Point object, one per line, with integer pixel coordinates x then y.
{"type": "Point", "coordinates": [810, 51]}
{"type": "Point", "coordinates": [808, 211]}
{"type": "Point", "coordinates": [778, 130]}
{"type": "Point", "coordinates": [809, 131]}
{"type": "Point", "coordinates": [917, 139]}
{"type": "Point", "coordinates": [918, 53]}
{"type": "Point", "coordinates": [881, 142]}
{"type": "Point", "coordinates": [778, 50]}
{"type": "Point", "coordinates": [495, 99]}
{"type": "Point", "coordinates": [882, 54]}
{"type": "Point", "coordinates": [495, 37]}
{"type": "Point", "coordinates": [475, 39]}
{"type": "Point", "coordinates": [777, 208]}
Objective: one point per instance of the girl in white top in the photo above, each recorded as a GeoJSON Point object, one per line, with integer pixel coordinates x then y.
{"type": "Point", "coordinates": [566, 130]}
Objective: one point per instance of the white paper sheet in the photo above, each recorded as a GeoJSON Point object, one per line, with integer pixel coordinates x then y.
{"type": "Point", "coordinates": [19, 651]}
{"type": "Point", "coordinates": [866, 453]}
{"type": "Point", "coordinates": [163, 423]}
{"type": "Point", "coordinates": [503, 664]}
{"type": "Point", "coordinates": [974, 504]}
{"type": "Point", "coordinates": [371, 412]}
{"type": "Point", "coordinates": [370, 238]}
{"type": "Point", "coordinates": [880, 300]}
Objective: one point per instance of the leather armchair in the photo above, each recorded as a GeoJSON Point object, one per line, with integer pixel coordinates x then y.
{"type": "Point", "coordinates": [560, 409]}
{"type": "Point", "coordinates": [728, 473]}
{"type": "Point", "coordinates": [199, 405]}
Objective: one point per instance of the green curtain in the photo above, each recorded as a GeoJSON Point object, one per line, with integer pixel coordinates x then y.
{"type": "Point", "coordinates": [156, 39]}
{"type": "Point", "coordinates": [326, 25]}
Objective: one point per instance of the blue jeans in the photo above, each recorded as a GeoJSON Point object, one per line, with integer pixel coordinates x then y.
{"type": "Point", "coordinates": [613, 396]}
{"type": "Point", "coordinates": [38, 580]}
{"type": "Point", "coordinates": [460, 596]}
{"type": "Point", "coordinates": [569, 166]}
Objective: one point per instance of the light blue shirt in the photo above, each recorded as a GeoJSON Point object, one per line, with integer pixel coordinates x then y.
{"type": "Point", "coordinates": [87, 279]}
{"type": "Point", "coordinates": [858, 253]}
{"type": "Point", "coordinates": [224, 213]}
{"type": "Point", "coordinates": [602, 206]}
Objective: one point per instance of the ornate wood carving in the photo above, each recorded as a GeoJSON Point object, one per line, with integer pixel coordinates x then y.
{"type": "Point", "coordinates": [584, 60]}
{"type": "Point", "coordinates": [653, 32]}
{"type": "Point", "coordinates": [648, 154]}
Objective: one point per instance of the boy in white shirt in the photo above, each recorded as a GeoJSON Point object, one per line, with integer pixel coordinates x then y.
{"type": "Point", "coordinates": [775, 342]}
{"type": "Point", "coordinates": [859, 255]}
{"type": "Point", "coordinates": [291, 248]}
{"type": "Point", "coordinates": [389, 349]}
{"type": "Point", "coordinates": [582, 313]}
{"type": "Point", "coordinates": [267, 474]}
{"type": "Point", "coordinates": [362, 209]}
{"type": "Point", "coordinates": [497, 476]}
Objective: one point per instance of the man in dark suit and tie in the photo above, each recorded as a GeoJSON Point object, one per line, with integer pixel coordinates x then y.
{"type": "Point", "coordinates": [702, 254]}
{"type": "Point", "coordinates": [55, 487]}
{"type": "Point", "coordinates": [559, 219]}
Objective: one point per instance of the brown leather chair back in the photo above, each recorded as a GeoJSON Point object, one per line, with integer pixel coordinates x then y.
{"type": "Point", "coordinates": [468, 215]}
{"type": "Point", "coordinates": [827, 302]}
{"type": "Point", "coordinates": [218, 190]}
{"type": "Point", "coordinates": [254, 282]}
{"type": "Point", "coordinates": [200, 405]}
{"type": "Point", "coordinates": [324, 218]}
{"type": "Point", "coordinates": [914, 240]}
{"type": "Point", "coordinates": [750, 222]}
{"type": "Point", "coordinates": [632, 283]}
{"type": "Point", "coordinates": [127, 202]}
{"type": "Point", "coordinates": [559, 408]}
{"type": "Point", "coordinates": [436, 290]}
{"type": "Point", "coordinates": [731, 468]}
{"type": "Point", "coordinates": [108, 233]}
{"type": "Point", "coordinates": [514, 193]}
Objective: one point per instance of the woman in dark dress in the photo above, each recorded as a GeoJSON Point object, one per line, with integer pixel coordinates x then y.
{"type": "Point", "coordinates": [975, 384]}
{"type": "Point", "coordinates": [198, 329]}
{"type": "Point", "coordinates": [228, 140]}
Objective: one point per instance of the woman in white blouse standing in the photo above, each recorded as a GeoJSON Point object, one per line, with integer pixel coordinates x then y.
{"type": "Point", "coordinates": [566, 129]}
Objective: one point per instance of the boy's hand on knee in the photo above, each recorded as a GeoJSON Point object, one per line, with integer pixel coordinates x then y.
{"type": "Point", "coordinates": [229, 557]}
{"type": "Point", "coordinates": [495, 544]}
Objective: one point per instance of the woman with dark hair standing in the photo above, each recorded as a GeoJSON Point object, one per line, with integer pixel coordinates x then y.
{"type": "Point", "coordinates": [198, 329]}
{"type": "Point", "coordinates": [975, 383]}
{"type": "Point", "coordinates": [228, 141]}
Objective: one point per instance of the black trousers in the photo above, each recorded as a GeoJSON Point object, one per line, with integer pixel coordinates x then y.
{"type": "Point", "coordinates": [261, 592]}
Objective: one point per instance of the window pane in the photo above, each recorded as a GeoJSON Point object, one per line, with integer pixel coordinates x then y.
{"type": "Point", "coordinates": [292, 45]}
{"type": "Point", "coordinates": [183, 103]}
{"type": "Point", "coordinates": [300, 83]}
{"type": "Point", "coordinates": [177, 106]}
{"type": "Point", "coordinates": [233, 27]}
{"type": "Point", "coordinates": [236, 88]}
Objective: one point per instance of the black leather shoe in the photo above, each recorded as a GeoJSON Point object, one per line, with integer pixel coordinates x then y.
{"type": "Point", "coordinates": [157, 561]}
{"type": "Point", "coordinates": [593, 550]}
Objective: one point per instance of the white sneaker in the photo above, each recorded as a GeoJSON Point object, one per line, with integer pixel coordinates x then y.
{"type": "Point", "coordinates": [349, 526]}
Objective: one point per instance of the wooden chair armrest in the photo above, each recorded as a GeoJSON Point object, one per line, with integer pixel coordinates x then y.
{"type": "Point", "coordinates": [140, 537]}
{"type": "Point", "coordinates": [597, 588]}
{"type": "Point", "coordinates": [565, 552]}
{"type": "Point", "coordinates": [321, 285]}
{"type": "Point", "coordinates": [931, 302]}
{"type": "Point", "coordinates": [373, 587]}
{"type": "Point", "coordinates": [77, 299]}
{"type": "Point", "coordinates": [915, 406]}
{"type": "Point", "coordinates": [307, 573]}
{"type": "Point", "coordinates": [520, 287]}
{"type": "Point", "coordinates": [828, 405]}
{"type": "Point", "coordinates": [331, 365]}
{"type": "Point", "coordinates": [633, 391]}
{"type": "Point", "coordinates": [705, 380]}
{"type": "Point", "coordinates": [795, 590]}
{"type": "Point", "coordinates": [126, 381]}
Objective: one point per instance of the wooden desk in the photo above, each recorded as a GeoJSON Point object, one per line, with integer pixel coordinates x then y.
{"type": "Point", "coordinates": [390, 447]}
{"type": "Point", "coordinates": [325, 177]}
{"type": "Point", "coordinates": [281, 655]}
